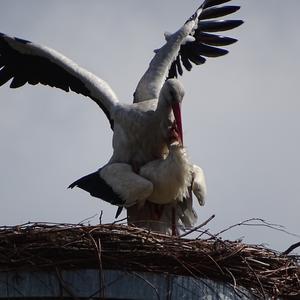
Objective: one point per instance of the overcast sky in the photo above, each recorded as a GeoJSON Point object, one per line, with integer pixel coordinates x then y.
{"type": "Point", "coordinates": [240, 113]}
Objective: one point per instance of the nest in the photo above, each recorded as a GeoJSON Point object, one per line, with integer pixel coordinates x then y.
{"type": "Point", "coordinates": [262, 271]}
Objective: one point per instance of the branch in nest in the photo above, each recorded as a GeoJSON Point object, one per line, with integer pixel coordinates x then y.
{"type": "Point", "coordinates": [198, 227]}
{"type": "Point", "coordinates": [291, 248]}
{"type": "Point", "coordinates": [263, 223]}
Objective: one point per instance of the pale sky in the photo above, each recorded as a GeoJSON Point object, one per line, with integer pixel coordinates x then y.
{"type": "Point", "coordinates": [240, 113]}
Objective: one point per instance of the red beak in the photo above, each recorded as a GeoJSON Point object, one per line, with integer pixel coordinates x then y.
{"type": "Point", "coordinates": [177, 114]}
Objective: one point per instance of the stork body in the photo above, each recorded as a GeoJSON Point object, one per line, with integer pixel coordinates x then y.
{"type": "Point", "coordinates": [160, 181]}
{"type": "Point", "coordinates": [158, 195]}
{"type": "Point", "coordinates": [142, 130]}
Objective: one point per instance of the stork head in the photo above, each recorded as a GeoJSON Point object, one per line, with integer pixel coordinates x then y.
{"type": "Point", "coordinates": [172, 91]}
{"type": "Point", "coordinates": [171, 96]}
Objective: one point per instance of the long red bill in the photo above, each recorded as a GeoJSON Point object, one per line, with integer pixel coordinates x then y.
{"type": "Point", "coordinates": [177, 114]}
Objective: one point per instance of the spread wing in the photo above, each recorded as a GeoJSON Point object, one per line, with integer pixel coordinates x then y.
{"type": "Point", "coordinates": [191, 44]}
{"type": "Point", "coordinates": [27, 62]}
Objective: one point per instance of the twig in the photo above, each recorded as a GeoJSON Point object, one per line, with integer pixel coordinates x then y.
{"type": "Point", "coordinates": [148, 282]}
{"type": "Point", "coordinates": [197, 227]}
{"type": "Point", "coordinates": [233, 279]}
{"type": "Point", "coordinates": [98, 250]}
{"type": "Point", "coordinates": [195, 278]}
{"type": "Point", "coordinates": [87, 219]}
{"type": "Point", "coordinates": [264, 223]}
{"type": "Point", "coordinates": [291, 248]}
{"type": "Point", "coordinates": [118, 221]}
{"type": "Point", "coordinates": [100, 217]}
{"type": "Point", "coordinates": [64, 285]}
{"type": "Point", "coordinates": [202, 233]}
{"type": "Point", "coordinates": [258, 280]}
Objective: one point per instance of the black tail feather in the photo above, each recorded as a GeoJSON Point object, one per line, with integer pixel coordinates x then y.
{"type": "Point", "coordinates": [118, 212]}
{"type": "Point", "coordinates": [97, 187]}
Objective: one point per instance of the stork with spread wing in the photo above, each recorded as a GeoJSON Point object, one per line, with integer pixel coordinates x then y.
{"type": "Point", "coordinates": [144, 132]}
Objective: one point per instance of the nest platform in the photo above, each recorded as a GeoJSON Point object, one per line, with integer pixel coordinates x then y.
{"type": "Point", "coordinates": [43, 246]}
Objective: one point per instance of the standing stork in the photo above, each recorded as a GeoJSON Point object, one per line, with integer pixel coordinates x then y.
{"type": "Point", "coordinates": [142, 130]}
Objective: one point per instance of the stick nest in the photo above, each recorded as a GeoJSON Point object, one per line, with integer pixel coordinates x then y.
{"type": "Point", "coordinates": [262, 271]}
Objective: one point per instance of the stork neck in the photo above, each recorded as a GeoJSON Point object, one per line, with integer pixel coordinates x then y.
{"type": "Point", "coordinates": [163, 107]}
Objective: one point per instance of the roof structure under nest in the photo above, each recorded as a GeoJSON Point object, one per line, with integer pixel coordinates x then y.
{"type": "Point", "coordinates": [43, 246]}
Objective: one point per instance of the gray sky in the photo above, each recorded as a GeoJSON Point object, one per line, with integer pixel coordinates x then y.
{"type": "Point", "coordinates": [240, 112]}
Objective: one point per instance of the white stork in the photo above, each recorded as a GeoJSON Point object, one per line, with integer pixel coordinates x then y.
{"type": "Point", "coordinates": [142, 130]}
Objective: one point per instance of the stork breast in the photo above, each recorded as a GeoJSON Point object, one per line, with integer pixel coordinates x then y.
{"type": "Point", "coordinates": [170, 177]}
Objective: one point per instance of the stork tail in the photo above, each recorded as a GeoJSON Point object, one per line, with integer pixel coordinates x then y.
{"type": "Point", "coordinates": [97, 187]}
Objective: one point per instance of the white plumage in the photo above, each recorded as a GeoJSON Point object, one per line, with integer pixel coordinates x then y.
{"type": "Point", "coordinates": [143, 131]}
{"type": "Point", "coordinates": [171, 177]}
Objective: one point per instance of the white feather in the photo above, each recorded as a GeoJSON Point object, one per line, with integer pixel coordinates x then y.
{"type": "Point", "coordinates": [128, 185]}
{"type": "Point", "coordinates": [170, 177]}
{"type": "Point", "coordinates": [199, 185]}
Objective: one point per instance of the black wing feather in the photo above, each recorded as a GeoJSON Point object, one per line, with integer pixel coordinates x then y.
{"type": "Point", "coordinates": [5, 75]}
{"type": "Point", "coordinates": [32, 68]}
{"type": "Point", "coordinates": [210, 51]}
{"type": "Point", "coordinates": [178, 66]}
{"type": "Point", "coordinates": [2, 63]}
{"type": "Point", "coordinates": [206, 44]}
{"type": "Point", "coordinates": [173, 71]}
{"type": "Point", "coordinates": [218, 25]}
{"type": "Point", "coordinates": [213, 39]}
{"type": "Point", "coordinates": [186, 62]}
{"type": "Point", "coordinates": [210, 3]}
{"type": "Point", "coordinates": [216, 12]}
{"type": "Point", "coordinates": [36, 69]}
{"type": "Point", "coordinates": [17, 82]}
